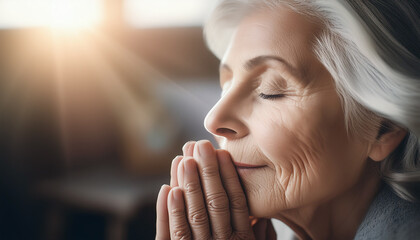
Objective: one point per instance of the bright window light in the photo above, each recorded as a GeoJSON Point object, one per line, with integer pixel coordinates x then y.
{"type": "Point", "coordinates": [50, 13]}
{"type": "Point", "coordinates": [166, 13]}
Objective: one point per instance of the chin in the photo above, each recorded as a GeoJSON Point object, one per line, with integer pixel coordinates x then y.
{"type": "Point", "coordinates": [260, 209]}
{"type": "Point", "coordinates": [259, 200]}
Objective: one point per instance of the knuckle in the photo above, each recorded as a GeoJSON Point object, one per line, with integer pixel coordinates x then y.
{"type": "Point", "coordinates": [192, 187]}
{"type": "Point", "coordinates": [223, 234]}
{"type": "Point", "coordinates": [209, 172]}
{"type": "Point", "coordinates": [231, 179]}
{"type": "Point", "coordinates": [238, 202]}
{"type": "Point", "coordinates": [243, 236]}
{"type": "Point", "coordinates": [177, 212]}
{"type": "Point", "coordinates": [217, 202]}
{"type": "Point", "coordinates": [198, 217]}
{"type": "Point", "coordinates": [181, 234]}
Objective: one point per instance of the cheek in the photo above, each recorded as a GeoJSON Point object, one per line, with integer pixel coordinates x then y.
{"type": "Point", "coordinates": [307, 150]}
{"type": "Point", "coordinates": [288, 136]}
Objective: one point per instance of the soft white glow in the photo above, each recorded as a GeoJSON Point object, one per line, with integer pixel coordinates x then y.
{"type": "Point", "coordinates": [52, 13]}
{"type": "Point", "coordinates": [166, 13]}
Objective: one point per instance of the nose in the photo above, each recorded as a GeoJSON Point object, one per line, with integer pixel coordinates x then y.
{"type": "Point", "coordinates": [227, 117]}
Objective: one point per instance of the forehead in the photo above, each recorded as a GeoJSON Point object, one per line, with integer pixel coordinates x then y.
{"type": "Point", "coordinates": [279, 31]}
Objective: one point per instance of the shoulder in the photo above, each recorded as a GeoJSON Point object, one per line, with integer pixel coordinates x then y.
{"type": "Point", "coordinates": [390, 217]}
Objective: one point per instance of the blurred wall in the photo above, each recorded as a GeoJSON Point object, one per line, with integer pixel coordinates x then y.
{"type": "Point", "coordinates": [117, 96]}
{"type": "Point", "coordinates": [57, 90]}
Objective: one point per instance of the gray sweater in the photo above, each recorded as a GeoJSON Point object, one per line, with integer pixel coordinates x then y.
{"type": "Point", "coordinates": [390, 217]}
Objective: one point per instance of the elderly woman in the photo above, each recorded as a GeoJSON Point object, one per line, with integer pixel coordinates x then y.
{"type": "Point", "coordinates": [318, 125]}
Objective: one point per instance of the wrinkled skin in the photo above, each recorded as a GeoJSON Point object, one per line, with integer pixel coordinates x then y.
{"type": "Point", "coordinates": [282, 117]}
{"type": "Point", "coordinates": [300, 137]}
{"type": "Point", "coordinates": [205, 199]}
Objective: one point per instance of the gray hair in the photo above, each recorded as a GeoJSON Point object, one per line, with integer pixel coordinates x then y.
{"type": "Point", "coordinates": [371, 49]}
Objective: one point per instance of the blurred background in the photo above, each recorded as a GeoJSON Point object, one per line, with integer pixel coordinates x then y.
{"type": "Point", "coordinates": [96, 98]}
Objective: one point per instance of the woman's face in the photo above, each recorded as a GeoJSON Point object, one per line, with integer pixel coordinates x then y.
{"type": "Point", "coordinates": [281, 118]}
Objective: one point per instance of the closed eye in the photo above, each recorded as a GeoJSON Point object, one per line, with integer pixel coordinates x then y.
{"type": "Point", "coordinates": [271, 96]}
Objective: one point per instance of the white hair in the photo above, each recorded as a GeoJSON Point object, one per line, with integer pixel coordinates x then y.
{"type": "Point", "coordinates": [371, 49]}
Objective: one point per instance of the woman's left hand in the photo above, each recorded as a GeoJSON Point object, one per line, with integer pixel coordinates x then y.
{"type": "Point", "coordinates": [205, 199]}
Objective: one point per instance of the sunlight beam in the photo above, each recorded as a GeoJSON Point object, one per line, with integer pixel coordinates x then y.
{"type": "Point", "coordinates": [57, 14]}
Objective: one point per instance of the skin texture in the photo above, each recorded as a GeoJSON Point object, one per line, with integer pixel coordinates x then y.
{"type": "Point", "coordinates": [205, 189]}
{"type": "Point", "coordinates": [281, 122]}
{"type": "Point", "coordinates": [301, 137]}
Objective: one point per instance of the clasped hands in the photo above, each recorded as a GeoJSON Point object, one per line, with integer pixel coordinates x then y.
{"type": "Point", "coordinates": [205, 199]}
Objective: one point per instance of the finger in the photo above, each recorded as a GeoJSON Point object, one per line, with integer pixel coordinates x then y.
{"type": "Point", "coordinates": [180, 173]}
{"type": "Point", "coordinates": [237, 201]}
{"type": "Point", "coordinates": [178, 224]}
{"type": "Point", "coordinates": [162, 218]}
{"type": "Point", "coordinates": [174, 168]}
{"type": "Point", "coordinates": [214, 193]}
{"type": "Point", "coordinates": [188, 149]}
{"type": "Point", "coordinates": [196, 208]}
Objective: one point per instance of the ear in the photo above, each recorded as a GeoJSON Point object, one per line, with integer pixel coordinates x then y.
{"type": "Point", "coordinates": [386, 143]}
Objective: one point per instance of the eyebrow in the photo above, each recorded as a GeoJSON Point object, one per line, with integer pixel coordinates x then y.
{"type": "Point", "coordinates": [256, 61]}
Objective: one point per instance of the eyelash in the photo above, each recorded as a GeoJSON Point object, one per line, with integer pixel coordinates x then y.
{"type": "Point", "coordinates": [270, 96]}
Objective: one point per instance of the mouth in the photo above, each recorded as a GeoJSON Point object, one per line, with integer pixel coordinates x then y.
{"type": "Point", "coordinates": [247, 166]}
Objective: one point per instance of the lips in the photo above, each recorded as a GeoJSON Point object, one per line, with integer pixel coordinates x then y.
{"type": "Point", "coordinates": [247, 166]}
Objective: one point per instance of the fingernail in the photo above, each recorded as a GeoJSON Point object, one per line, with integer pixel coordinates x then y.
{"type": "Point", "coordinates": [180, 173]}
{"type": "Point", "coordinates": [188, 167]}
{"type": "Point", "coordinates": [175, 160]}
{"type": "Point", "coordinates": [204, 149]}
{"type": "Point", "coordinates": [186, 148]}
{"type": "Point", "coordinates": [177, 194]}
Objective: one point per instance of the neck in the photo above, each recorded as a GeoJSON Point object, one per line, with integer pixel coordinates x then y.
{"type": "Point", "coordinates": [338, 218]}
